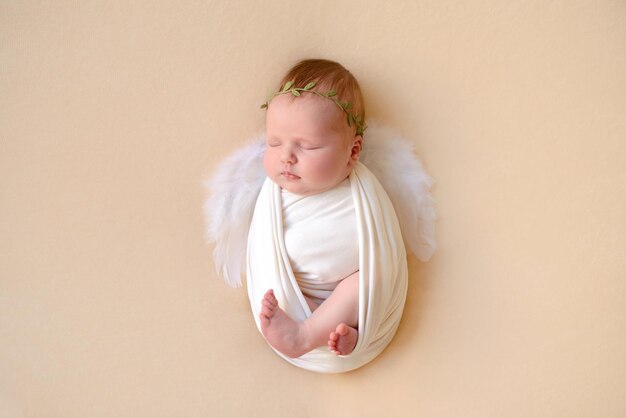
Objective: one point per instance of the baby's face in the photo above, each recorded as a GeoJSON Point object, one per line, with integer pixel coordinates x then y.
{"type": "Point", "coordinates": [310, 147]}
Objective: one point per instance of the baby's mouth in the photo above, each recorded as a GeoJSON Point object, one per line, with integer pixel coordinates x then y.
{"type": "Point", "coordinates": [289, 176]}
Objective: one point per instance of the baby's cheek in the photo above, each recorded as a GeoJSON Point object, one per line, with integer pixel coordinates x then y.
{"type": "Point", "coordinates": [318, 168]}
{"type": "Point", "coordinates": [326, 171]}
{"type": "Point", "coordinates": [267, 162]}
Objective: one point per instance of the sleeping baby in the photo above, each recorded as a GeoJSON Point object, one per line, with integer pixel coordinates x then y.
{"type": "Point", "coordinates": [313, 140]}
{"type": "Point", "coordinates": [304, 212]}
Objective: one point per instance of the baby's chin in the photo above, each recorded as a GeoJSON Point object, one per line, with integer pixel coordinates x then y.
{"type": "Point", "coordinates": [301, 189]}
{"type": "Point", "coordinates": [297, 189]}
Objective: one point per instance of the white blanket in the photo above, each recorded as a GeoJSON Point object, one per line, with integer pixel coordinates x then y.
{"type": "Point", "coordinates": [382, 266]}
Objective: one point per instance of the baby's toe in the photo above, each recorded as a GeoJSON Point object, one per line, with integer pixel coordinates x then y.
{"type": "Point", "coordinates": [270, 297]}
{"type": "Point", "coordinates": [267, 304]}
{"type": "Point", "coordinates": [332, 342]}
{"type": "Point", "coordinates": [265, 320]}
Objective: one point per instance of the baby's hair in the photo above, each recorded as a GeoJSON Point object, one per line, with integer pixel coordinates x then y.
{"type": "Point", "coordinates": [328, 75]}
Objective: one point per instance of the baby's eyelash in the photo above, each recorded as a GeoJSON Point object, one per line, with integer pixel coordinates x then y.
{"type": "Point", "coordinates": [303, 147]}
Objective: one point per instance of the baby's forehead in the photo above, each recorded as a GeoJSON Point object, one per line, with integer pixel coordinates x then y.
{"type": "Point", "coordinates": [308, 113]}
{"type": "Point", "coordinates": [307, 106]}
{"type": "Point", "coordinates": [304, 102]}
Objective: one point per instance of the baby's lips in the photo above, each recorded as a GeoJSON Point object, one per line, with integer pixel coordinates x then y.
{"type": "Point", "coordinates": [289, 175]}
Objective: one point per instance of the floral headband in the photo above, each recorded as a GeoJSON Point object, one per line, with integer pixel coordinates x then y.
{"type": "Point", "coordinates": [331, 94]}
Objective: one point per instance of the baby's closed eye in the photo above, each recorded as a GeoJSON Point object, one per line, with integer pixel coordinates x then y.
{"type": "Point", "coordinates": [310, 145]}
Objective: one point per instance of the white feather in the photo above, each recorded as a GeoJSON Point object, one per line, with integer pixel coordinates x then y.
{"type": "Point", "coordinates": [228, 209]}
{"type": "Point", "coordinates": [236, 184]}
{"type": "Point", "coordinates": [393, 162]}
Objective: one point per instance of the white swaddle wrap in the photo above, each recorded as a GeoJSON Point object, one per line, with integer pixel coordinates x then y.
{"type": "Point", "coordinates": [382, 267]}
{"type": "Point", "coordinates": [321, 239]}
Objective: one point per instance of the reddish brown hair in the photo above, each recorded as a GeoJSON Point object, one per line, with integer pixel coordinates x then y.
{"type": "Point", "coordinates": [328, 75]}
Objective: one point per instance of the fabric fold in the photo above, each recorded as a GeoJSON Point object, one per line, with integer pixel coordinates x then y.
{"type": "Point", "coordinates": [382, 265]}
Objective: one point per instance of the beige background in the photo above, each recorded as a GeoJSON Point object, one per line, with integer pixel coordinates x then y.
{"type": "Point", "coordinates": [112, 113]}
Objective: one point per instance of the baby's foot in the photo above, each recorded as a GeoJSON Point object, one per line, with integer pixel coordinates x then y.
{"type": "Point", "coordinates": [282, 332]}
{"type": "Point", "coordinates": [343, 340]}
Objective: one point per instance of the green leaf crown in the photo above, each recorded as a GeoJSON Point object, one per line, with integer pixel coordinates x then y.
{"type": "Point", "coordinates": [331, 94]}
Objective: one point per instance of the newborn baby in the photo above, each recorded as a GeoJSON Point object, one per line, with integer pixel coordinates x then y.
{"type": "Point", "coordinates": [318, 219]}
{"type": "Point", "coordinates": [313, 141]}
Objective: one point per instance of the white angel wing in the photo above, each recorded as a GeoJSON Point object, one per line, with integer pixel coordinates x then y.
{"type": "Point", "coordinates": [401, 174]}
{"type": "Point", "coordinates": [228, 209]}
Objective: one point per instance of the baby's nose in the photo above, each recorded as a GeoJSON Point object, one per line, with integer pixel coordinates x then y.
{"type": "Point", "coordinates": [288, 158]}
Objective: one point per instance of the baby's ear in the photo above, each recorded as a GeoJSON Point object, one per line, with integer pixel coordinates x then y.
{"type": "Point", "coordinates": [357, 145]}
